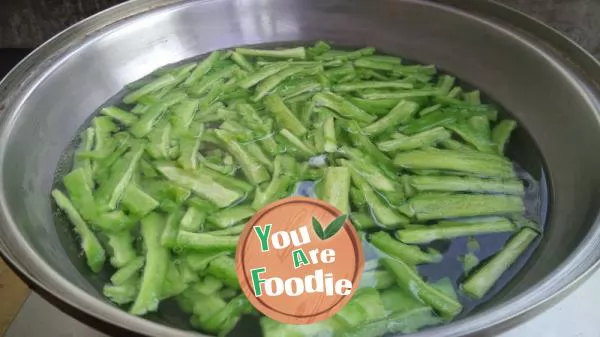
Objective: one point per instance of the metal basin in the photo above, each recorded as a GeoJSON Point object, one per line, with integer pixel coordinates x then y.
{"type": "Point", "coordinates": [543, 79]}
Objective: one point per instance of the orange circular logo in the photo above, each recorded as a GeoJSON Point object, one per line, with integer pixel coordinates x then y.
{"type": "Point", "coordinates": [299, 260]}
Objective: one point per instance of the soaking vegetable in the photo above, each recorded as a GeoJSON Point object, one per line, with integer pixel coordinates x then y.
{"type": "Point", "coordinates": [163, 182]}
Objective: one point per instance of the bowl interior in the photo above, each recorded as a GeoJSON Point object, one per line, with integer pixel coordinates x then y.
{"type": "Point", "coordinates": [541, 89]}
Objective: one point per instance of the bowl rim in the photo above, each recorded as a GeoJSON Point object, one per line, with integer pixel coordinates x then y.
{"type": "Point", "coordinates": [32, 69]}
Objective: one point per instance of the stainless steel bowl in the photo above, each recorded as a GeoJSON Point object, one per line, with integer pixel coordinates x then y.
{"type": "Point", "coordinates": [545, 80]}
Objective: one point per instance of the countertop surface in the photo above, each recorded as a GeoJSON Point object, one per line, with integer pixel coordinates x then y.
{"type": "Point", "coordinates": [27, 23]}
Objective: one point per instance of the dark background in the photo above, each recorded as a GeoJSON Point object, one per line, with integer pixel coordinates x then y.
{"type": "Point", "coordinates": [27, 23]}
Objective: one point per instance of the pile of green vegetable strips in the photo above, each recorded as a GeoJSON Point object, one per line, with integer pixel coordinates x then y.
{"type": "Point", "coordinates": [163, 183]}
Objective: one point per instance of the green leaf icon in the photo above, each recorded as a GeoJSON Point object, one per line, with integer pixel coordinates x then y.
{"type": "Point", "coordinates": [318, 228]}
{"type": "Point", "coordinates": [331, 229]}
{"type": "Point", "coordinates": [335, 226]}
